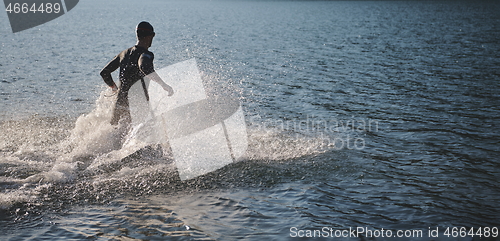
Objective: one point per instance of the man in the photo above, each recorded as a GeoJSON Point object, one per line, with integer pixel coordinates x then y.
{"type": "Point", "coordinates": [135, 63]}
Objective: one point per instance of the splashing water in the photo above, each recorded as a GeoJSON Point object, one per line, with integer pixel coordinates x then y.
{"type": "Point", "coordinates": [49, 160]}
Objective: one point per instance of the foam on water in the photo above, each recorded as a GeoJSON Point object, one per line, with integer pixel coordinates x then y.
{"type": "Point", "coordinates": [93, 134]}
{"type": "Point", "coordinates": [49, 159]}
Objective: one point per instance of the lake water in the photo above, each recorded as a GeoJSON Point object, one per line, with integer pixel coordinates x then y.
{"type": "Point", "coordinates": [360, 114]}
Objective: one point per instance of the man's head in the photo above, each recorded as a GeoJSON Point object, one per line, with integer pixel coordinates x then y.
{"type": "Point", "coordinates": [145, 32]}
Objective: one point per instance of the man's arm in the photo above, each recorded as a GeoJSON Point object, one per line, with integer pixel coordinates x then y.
{"type": "Point", "coordinates": [156, 78]}
{"type": "Point", "coordinates": [108, 69]}
{"type": "Point", "coordinates": [146, 65]}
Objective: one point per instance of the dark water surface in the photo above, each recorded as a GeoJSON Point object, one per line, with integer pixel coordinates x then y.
{"type": "Point", "coordinates": [382, 115]}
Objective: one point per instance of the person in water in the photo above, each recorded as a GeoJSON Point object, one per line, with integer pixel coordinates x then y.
{"type": "Point", "coordinates": [135, 63]}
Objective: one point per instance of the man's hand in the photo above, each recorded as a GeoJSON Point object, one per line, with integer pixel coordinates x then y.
{"type": "Point", "coordinates": [114, 88]}
{"type": "Point", "coordinates": [169, 89]}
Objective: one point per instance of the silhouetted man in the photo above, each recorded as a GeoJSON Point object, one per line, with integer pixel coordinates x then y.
{"type": "Point", "coordinates": [135, 63]}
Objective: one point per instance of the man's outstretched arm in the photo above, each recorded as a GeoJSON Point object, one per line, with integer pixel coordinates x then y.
{"type": "Point", "coordinates": [156, 78]}
{"type": "Point", "coordinates": [146, 66]}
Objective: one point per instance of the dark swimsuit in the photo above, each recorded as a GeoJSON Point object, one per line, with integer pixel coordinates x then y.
{"type": "Point", "coordinates": [135, 63]}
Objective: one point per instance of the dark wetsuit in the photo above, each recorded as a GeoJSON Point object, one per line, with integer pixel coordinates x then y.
{"type": "Point", "coordinates": [135, 63]}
